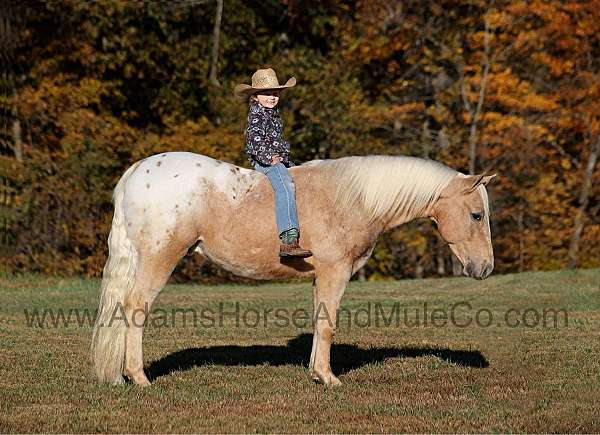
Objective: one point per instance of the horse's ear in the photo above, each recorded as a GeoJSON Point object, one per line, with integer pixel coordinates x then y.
{"type": "Point", "coordinates": [463, 184]}
{"type": "Point", "coordinates": [487, 179]}
{"type": "Point", "coordinates": [471, 182]}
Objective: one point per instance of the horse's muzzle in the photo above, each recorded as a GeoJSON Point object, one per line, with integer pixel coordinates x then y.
{"type": "Point", "coordinates": [481, 272]}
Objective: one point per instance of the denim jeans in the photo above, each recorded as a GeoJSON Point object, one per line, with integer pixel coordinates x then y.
{"type": "Point", "coordinates": [285, 199]}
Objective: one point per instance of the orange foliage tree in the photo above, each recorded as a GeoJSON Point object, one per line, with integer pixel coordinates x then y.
{"type": "Point", "coordinates": [506, 86]}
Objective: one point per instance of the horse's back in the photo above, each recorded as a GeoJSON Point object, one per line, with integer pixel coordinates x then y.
{"type": "Point", "coordinates": [174, 202]}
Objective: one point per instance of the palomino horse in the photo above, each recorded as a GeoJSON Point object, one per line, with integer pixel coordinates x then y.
{"type": "Point", "coordinates": [169, 204]}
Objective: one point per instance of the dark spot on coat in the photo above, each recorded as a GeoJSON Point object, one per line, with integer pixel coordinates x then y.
{"type": "Point", "coordinates": [164, 155]}
{"type": "Point", "coordinates": [158, 163]}
{"type": "Point", "coordinates": [233, 196]}
{"type": "Point", "coordinates": [147, 186]}
{"type": "Point", "coordinates": [129, 224]}
{"type": "Point", "coordinates": [198, 164]}
{"type": "Point", "coordinates": [232, 171]}
{"type": "Point", "coordinates": [219, 162]}
{"type": "Point", "coordinates": [176, 175]}
{"type": "Point", "coordinates": [147, 171]}
{"type": "Point", "coordinates": [237, 169]}
{"type": "Point", "coordinates": [176, 205]}
{"type": "Point", "coordinates": [189, 202]}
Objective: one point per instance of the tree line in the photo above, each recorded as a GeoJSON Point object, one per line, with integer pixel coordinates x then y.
{"type": "Point", "coordinates": [510, 87]}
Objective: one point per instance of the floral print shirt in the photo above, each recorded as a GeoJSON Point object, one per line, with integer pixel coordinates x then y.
{"type": "Point", "coordinates": [264, 136]}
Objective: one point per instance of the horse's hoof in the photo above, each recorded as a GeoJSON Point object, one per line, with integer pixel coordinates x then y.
{"type": "Point", "coordinates": [334, 381]}
{"type": "Point", "coordinates": [328, 379]}
{"type": "Point", "coordinates": [139, 379]}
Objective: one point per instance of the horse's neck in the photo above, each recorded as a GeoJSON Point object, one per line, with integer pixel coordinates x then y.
{"type": "Point", "coordinates": [317, 175]}
{"type": "Point", "coordinates": [398, 218]}
{"type": "Point", "coordinates": [418, 186]}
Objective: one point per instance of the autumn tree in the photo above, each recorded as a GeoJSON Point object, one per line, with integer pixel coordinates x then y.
{"type": "Point", "coordinates": [503, 86]}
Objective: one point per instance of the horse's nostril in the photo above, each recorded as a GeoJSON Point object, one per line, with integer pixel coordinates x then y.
{"type": "Point", "coordinates": [486, 270]}
{"type": "Point", "coordinates": [469, 269]}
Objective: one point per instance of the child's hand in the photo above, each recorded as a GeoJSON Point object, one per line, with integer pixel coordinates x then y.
{"type": "Point", "coordinates": [276, 159]}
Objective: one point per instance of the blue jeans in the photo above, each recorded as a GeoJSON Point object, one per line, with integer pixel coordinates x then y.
{"type": "Point", "coordinates": [285, 199]}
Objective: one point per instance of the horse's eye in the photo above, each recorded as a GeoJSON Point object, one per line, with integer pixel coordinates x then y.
{"type": "Point", "coordinates": [477, 216]}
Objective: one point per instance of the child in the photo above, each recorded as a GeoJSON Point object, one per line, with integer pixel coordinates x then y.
{"type": "Point", "coordinates": [269, 152]}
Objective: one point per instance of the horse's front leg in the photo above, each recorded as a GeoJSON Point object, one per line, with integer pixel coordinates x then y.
{"type": "Point", "coordinates": [328, 288]}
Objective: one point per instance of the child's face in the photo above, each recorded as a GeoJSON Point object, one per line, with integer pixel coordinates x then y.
{"type": "Point", "coordinates": [268, 99]}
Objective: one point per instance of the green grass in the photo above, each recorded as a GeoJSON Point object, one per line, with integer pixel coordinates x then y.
{"type": "Point", "coordinates": [398, 378]}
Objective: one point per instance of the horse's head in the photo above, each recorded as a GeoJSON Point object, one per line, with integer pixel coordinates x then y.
{"type": "Point", "coordinates": [462, 217]}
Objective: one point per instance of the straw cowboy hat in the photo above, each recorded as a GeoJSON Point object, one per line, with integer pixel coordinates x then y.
{"type": "Point", "coordinates": [262, 80]}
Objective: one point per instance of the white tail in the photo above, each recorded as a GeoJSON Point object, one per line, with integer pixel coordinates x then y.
{"type": "Point", "coordinates": [118, 278]}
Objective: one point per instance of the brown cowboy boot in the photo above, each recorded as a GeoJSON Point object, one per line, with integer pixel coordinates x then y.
{"type": "Point", "coordinates": [289, 245]}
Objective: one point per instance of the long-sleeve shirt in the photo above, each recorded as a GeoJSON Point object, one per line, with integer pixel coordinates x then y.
{"type": "Point", "coordinates": [264, 136]}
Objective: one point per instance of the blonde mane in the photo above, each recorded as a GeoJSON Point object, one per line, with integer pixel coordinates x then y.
{"type": "Point", "coordinates": [386, 185]}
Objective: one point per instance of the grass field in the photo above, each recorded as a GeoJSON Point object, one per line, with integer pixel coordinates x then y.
{"type": "Point", "coordinates": [534, 376]}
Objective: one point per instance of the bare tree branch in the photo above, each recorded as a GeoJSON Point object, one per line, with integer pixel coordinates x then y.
{"type": "Point", "coordinates": [476, 114]}
{"type": "Point", "coordinates": [17, 145]}
{"type": "Point", "coordinates": [583, 203]}
{"type": "Point", "coordinates": [463, 89]}
{"type": "Point", "coordinates": [215, 45]}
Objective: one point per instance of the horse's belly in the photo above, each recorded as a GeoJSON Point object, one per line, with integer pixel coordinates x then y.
{"type": "Point", "coordinates": [253, 258]}
{"type": "Point", "coordinates": [243, 239]}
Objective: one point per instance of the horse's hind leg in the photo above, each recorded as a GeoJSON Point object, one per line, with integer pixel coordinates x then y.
{"type": "Point", "coordinates": [150, 279]}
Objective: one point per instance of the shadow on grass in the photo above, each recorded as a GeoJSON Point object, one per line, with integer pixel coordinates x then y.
{"type": "Point", "coordinates": [344, 357]}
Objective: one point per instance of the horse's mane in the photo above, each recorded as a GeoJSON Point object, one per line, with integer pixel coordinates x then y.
{"type": "Point", "coordinates": [386, 185]}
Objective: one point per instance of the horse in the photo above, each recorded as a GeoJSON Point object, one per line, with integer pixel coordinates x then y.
{"type": "Point", "coordinates": [168, 205]}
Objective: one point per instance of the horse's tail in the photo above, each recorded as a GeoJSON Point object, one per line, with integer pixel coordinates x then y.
{"type": "Point", "coordinates": [118, 278]}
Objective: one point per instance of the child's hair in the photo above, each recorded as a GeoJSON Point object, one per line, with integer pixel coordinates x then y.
{"type": "Point", "coordinates": [251, 100]}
